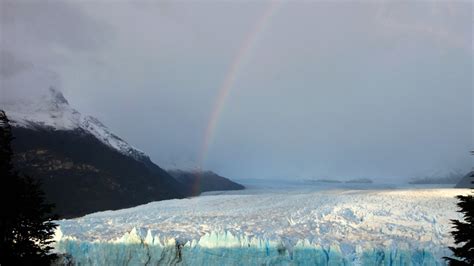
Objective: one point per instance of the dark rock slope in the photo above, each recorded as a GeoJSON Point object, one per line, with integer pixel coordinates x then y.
{"type": "Point", "coordinates": [81, 174]}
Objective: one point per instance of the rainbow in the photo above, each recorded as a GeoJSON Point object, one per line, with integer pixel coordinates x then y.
{"type": "Point", "coordinates": [243, 54]}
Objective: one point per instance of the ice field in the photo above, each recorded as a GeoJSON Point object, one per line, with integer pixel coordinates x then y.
{"type": "Point", "coordinates": [296, 226]}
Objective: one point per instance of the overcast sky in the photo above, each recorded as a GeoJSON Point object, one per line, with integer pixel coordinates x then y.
{"type": "Point", "coordinates": [322, 89]}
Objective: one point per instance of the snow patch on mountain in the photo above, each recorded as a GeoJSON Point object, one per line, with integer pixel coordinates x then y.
{"type": "Point", "coordinates": [31, 99]}
{"type": "Point", "coordinates": [101, 132]}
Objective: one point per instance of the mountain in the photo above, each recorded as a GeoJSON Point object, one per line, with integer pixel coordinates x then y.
{"type": "Point", "coordinates": [82, 165]}
{"type": "Point", "coordinates": [196, 182]}
{"type": "Point", "coordinates": [467, 181]}
{"type": "Point", "coordinates": [360, 181]}
{"type": "Point", "coordinates": [81, 174]}
{"type": "Point", "coordinates": [451, 178]}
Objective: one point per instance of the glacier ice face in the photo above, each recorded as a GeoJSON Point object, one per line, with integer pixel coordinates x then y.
{"type": "Point", "coordinates": [223, 248]}
{"type": "Point", "coordinates": [332, 227]}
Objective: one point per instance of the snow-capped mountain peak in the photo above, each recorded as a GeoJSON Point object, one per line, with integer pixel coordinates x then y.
{"type": "Point", "coordinates": [48, 108]}
{"type": "Point", "coordinates": [57, 98]}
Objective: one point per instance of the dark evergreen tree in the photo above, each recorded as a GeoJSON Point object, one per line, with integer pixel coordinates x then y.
{"type": "Point", "coordinates": [464, 233]}
{"type": "Point", "coordinates": [26, 226]}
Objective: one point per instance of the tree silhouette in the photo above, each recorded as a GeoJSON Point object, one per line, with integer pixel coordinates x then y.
{"type": "Point", "coordinates": [26, 226]}
{"type": "Point", "coordinates": [464, 233]}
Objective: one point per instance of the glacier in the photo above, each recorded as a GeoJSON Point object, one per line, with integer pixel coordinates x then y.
{"type": "Point", "coordinates": [298, 226]}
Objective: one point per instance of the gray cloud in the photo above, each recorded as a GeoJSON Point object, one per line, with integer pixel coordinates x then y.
{"type": "Point", "coordinates": [48, 23]}
{"type": "Point", "coordinates": [11, 65]}
{"type": "Point", "coordinates": [334, 89]}
{"type": "Point", "coordinates": [39, 37]}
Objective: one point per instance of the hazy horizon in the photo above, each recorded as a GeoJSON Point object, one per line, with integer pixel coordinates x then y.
{"type": "Point", "coordinates": [266, 89]}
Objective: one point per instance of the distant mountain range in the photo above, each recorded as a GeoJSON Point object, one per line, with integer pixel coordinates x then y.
{"type": "Point", "coordinates": [83, 166]}
{"type": "Point", "coordinates": [335, 181]}
{"type": "Point", "coordinates": [451, 178]}
{"type": "Point", "coordinates": [196, 182]}
{"type": "Point", "coordinates": [467, 181]}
